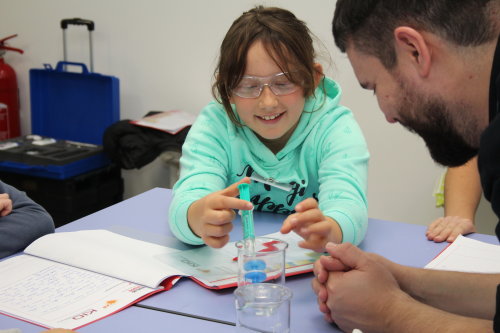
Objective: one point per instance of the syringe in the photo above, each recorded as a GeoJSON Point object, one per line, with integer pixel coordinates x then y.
{"type": "Point", "coordinates": [247, 221]}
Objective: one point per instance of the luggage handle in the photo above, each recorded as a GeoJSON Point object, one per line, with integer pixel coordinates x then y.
{"type": "Point", "coordinates": [78, 21]}
{"type": "Point", "coordinates": [61, 66]}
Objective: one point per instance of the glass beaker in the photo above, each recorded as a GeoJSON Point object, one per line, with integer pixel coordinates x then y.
{"type": "Point", "coordinates": [261, 261]}
{"type": "Point", "coordinates": [263, 307]}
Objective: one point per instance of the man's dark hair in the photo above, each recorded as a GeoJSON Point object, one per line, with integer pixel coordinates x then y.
{"type": "Point", "coordinates": [369, 24]}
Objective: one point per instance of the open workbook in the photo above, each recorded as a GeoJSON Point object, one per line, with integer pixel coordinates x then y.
{"type": "Point", "coordinates": [70, 279]}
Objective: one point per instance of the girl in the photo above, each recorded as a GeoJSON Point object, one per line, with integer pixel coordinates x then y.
{"type": "Point", "coordinates": [276, 120]}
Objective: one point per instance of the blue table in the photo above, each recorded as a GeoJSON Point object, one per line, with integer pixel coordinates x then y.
{"type": "Point", "coordinates": [133, 320]}
{"type": "Point", "coordinates": [146, 217]}
{"type": "Point", "coordinates": [401, 242]}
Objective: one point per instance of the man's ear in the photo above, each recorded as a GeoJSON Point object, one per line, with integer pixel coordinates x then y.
{"type": "Point", "coordinates": [318, 74]}
{"type": "Point", "coordinates": [413, 49]}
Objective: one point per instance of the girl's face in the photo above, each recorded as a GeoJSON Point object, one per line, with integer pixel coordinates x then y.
{"type": "Point", "coordinates": [270, 116]}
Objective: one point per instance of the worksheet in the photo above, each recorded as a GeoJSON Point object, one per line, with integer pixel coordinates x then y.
{"type": "Point", "coordinates": [468, 255]}
{"type": "Point", "coordinates": [51, 294]}
{"type": "Point", "coordinates": [218, 268]}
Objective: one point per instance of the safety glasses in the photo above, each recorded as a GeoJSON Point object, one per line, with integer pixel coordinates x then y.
{"type": "Point", "coordinates": [252, 86]}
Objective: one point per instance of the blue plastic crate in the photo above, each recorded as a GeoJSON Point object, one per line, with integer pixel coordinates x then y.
{"type": "Point", "coordinates": [73, 106]}
{"type": "Point", "coordinates": [57, 171]}
{"type": "Point", "coordinates": [68, 105]}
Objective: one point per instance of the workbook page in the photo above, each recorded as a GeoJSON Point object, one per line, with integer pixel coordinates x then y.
{"type": "Point", "coordinates": [107, 253]}
{"type": "Point", "coordinates": [51, 294]}
{"type": "Point", "coordinates": [219, 268]}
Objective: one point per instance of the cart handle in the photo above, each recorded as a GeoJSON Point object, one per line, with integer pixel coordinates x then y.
{"type": "Point", "coordinates": [62, 65]}
{"type": "Point", "coordinates": [90, 27]}
{"type": "Point", "coordinates": [77, 21]}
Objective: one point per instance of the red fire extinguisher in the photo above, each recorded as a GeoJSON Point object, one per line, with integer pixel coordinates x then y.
{"type": "Point", "coordinates": [9, 95]}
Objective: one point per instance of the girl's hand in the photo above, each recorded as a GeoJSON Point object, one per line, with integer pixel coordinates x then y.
{"type": "Point", "coordinates": [448, 228]}
{"type": "Point", "coordinates": [5, 204]}
{"type": "Point", "coordinates": [310, 223]}
{"type": "Point", "coordinates": [211, 216]}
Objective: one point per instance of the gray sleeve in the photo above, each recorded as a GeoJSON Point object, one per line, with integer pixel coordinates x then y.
{"type": "Point", "coordinates": [27, 222]}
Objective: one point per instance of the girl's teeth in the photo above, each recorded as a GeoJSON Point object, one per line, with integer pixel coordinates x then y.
{"type": "Point", "coordinates": [269, 117]}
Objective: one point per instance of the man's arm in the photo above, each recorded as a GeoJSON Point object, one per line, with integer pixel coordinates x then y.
{"type": "Point", "coordinates": [366, 291]}
{"type": "Point", "coordinates": [466, 294]}
{"type": "Point", "coordinates": [410, 316]}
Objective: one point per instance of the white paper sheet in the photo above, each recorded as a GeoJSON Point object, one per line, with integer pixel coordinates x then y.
{"type": "Point", "coordinates": [169, 121]}
{"type": "Point", "coordinates": [107, 253]}
{"type": "Point", "coordinates": [468, 255]}
{"type": "Point", "coordinates": [57, 295]}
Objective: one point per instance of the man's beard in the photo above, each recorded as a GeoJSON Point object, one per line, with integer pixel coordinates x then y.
{"type": "Point", "coordinates": [430, 118]}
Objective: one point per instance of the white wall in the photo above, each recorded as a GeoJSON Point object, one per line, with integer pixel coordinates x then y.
{"type": "Point", "coordinates": [164, 54]}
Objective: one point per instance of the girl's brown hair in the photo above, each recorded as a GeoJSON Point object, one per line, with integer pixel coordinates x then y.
{"type": "Point", "coordinates": [286, 39]}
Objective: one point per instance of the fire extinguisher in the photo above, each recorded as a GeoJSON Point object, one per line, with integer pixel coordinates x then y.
{"type": "Point", "coordinates": [9, 95]}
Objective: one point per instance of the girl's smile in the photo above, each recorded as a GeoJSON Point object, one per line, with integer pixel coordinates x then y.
{"type": "Point", "coordinates": [270, 116]}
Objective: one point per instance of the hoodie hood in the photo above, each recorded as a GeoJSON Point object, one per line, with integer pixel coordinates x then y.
{"type": "Point", "coordinates": [326, 97]}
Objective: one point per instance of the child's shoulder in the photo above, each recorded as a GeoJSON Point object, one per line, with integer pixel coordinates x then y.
{"type": "Point", "coordinates": [212, 117]}
{"type": "Point", "coordinates": [213, 107]}
{"type": "Point", "coordinates": [213, 112]}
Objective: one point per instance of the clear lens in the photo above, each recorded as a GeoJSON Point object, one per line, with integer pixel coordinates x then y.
{"type": "Point", "coordinates": [248, 87]}
{"type": "Point", "coordinates": [252, 86]}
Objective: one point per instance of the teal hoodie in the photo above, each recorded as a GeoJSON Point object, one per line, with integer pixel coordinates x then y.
{"type": "Point", "coordinates": [325, 158]}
